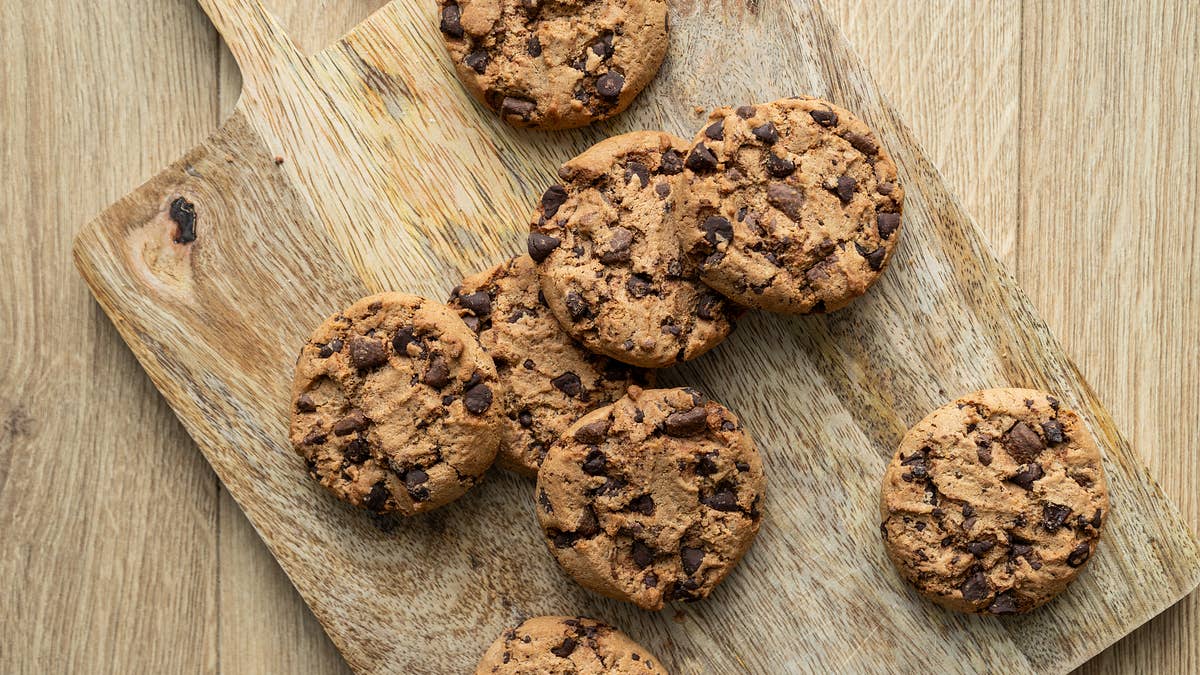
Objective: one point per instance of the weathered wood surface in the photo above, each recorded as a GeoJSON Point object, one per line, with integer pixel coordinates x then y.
{"type": "Point", "coordinates": [817, 347]}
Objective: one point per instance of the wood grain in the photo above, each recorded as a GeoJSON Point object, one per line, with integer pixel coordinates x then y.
{"type": "Point", "coordinates": [848, 384]}
{"type": "Point", "coordinates": [134, 104]}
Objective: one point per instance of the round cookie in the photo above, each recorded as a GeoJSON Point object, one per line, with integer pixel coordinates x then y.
{"type": "Point", "coordinates": [549, 380]}
{"type": "Point", "coordinates": [562, 645]}
{"type": "Point", "coordinates": [652, 499]}
{"type": "Point", "coordinates": [392, 405]}
{"type": "Point", "coordinates": [610, 265]}
{"type": "Point", "coordinates": [792, 206]}
{"type": "Point", "coordinates": [994, 502]}
{"type": "Point", "coordinates": [555, 64]}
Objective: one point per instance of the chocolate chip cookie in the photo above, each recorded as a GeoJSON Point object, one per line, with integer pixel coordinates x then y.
{"type": "Point", "coordinates": [552, 645]}
{"type": "Point", "coordinates": [610, 265]}
{"type": "Point", "coordinates": [555, 64]}
{"type": "Point", "coordinates": [549, 380]}
{"type": "Point", "coordinates": [995, 502]}
{"type": "Point", "coordinates": [652, 499]}
{"type": "Point", "coordinates": [793, 206]}
{"type": "Point", "coordinates": [392, 405]}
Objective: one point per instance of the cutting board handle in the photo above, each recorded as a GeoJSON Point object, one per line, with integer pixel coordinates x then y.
{"type": "Point", "coordinates": [259, 43]}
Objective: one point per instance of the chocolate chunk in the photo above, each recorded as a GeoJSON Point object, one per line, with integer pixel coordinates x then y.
{"type": "Point", "coordinates": [1004, 603]}
{"type": "Point", "coordinates": [1079, 554]}
{"type": "Point", "coordinates": [604, 46]}
{"type": "Point", "coordinates": [355, 420]}
{"type": "Point", "coordinates": [540, 246]}
{"type": "Point", "coordinates": [609, 85]}
{"type": "Point", "coordinates": [367, 353]}
{"type": "Point", "coordinates": [691, 559]}
{"type": "Point", "coordinates": [564, 650]}
{"type": "Point", "coordinates": [716, 130]}
{"type": "Point", "coordinates": [478, 399]}
{"type": "Point", "coordinates": [452, 21]}
{"type": "Point", "coordinates": [701, 159]}
{"type": "Point", "coordinates": [643, 505]}
{"type": "Point", "coordinates": [357, 451]}
{"type": "Point", "coordinates": [328, 350]}
{"type": "Point", "coordinates": [552, 198]}
{"type": "Point", "coordinates": [705, 466]}
{"type": "Point", "coordinates": [1027, 475]}
{"type": "Point", "coordinates": [983, 449]}
{"type": "Point", "coordinates": [637, 169]}
{"type": "Point", "coordinates": [708, 307]}
{"type": "Point", "coordinates": [595, 462]}
{"type": "Point", "coordinates": [766, 133]}
{"type": "Point", "coordinates": [618, 246]}
{"type": "Point", "coordinates": [671, 163]}
{"type": "Point", "coordinates": [315, 437]}
{"type": "Point", "coordinates": [305, 403]}
{"type": "Point", "coordinates": [887, 223]}
{"type": "Point", "coordinates": [183, 214]}
{"type": "Point", "coordinates": [787, 199]}
{"type": "Point", "coordinates": [437, 375]}
{"type": "Point", "coordinates": [662, 189]}
{"type": "Point", "coordinates": [846, 185]}
{"type": "Point", "coordinates": [778, 166]}
{"type": "Point", "coordinates": [517, 107]}
{"type": "Point", "coordinates": [568, 383]}
{"type": "Point", "coordinates": [477, 60]}
{"type": "Point", "coordinates": [918, 466]}
{"type": "Point", "coordinates": [577, 306]}
{"type": "Point", "coordinates": [742, 467]}
{"type": "Point", "coordinates": [1022, 443]}
{"type": "Point", "coordinates": [717, 229]}
{"type": "Point", "coordinates": [594, 433]}
{"type": "Point", "coordinates": [874, 258]}
{"type": "Point", "coordinates": [976, 588]}
{"type": "Point", "coordinates": [650, 580]}
{"type": "Point", "coordinates": [722, 500]}
{"type": "Point", "coordinates": [1054, 515]}
{"type": "Point", "coordinates": [826, 118]}
{"type": "Point", "coordinates": [534, 47]}
{"type": "Point", "coordinates": [403, 338]}
{"type": "Point", "coordinates": [413, 481]}
{"type": "Point", "coordinates": [478, 303]}
{"type": "Point", "coordinates": [525, 419]}
{"type": "Point", "coordinates": [376, 500]}
{"type": "Point", "coordinates": [687, 423]}
{"type": "Point", "coordinates": [862, 143]}
{"type": "Point", "coordinates": [1053, 430]}
{"type": "Point", "coordinates": [745, 111]}
{"type": "Point", "coordinates": [638, 286]}
{"type": "Point", "coordinates": [978, 548]}
{"type": "Point", "coordinates": [642, 554]}
{"type": "Point", "coordinates": [968, 510]}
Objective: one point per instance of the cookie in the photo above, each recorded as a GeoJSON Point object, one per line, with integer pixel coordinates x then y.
{"type": "Point", "coordinates": [652, 499]}
{"type": "Point", "coordinates": [995, 502]}
{"type": "Point", "coordinates": [553, 645]}
{"type": "Point", "coordinates": [555, 64]}
{"type": "Point", "coordinates": [549, 380]}
{"type": "Point", "coordinates": [610, 265]}
{"type": "Point", "coordinates": [792, 206]}
{"type": "Point", "coordinates": [393, 405]}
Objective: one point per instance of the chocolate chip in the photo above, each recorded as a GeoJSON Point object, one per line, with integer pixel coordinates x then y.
{"type": "Point", "coordinates": [355, 420]}
{"type": "Point", "coordinates": [686, 423]}
{"type": "Point", "coordinates": [650, 581]}
{"type": "Point", "coordinates": [1027, 475]}
{"type": "Point", "coordinates": [595, 462]}
{"type": "Point", "coordinates": [741, 466]}
{"type": "Point", "coordinates": [874, 258]}
{"type": "Point", "coordinates": [568, 383]}
{"type": "Point", "coordinates": [610, 84]}
{"type": "Point", "coordinates": [305, 403]}
{"type": "Point", "coordinates": [643, 505]}
{"type": "Point", "coordinates": [887, 223]}
{"type": "Point", "coordinates": [745, 112]}
{"type": "Point", "coordinates": [544, 500]}
{"type": "Point", "coordinates": [377, 498]}
{"type": "Point", "coordinates": [1054, 515]}
{"type": "Point", "coordinates": [452, 21]}
{"type": "Point", "coordinates": [1097, 518]}
{"type": "Point", "coordinates": [642, 554]}
{"type": "Point", "coordinates": [717, 228]}
{"type": "Point", "coordinates": [414, 480]}
{"type": "Point", "coordinates": [978, 548]}
{"type": "Point", "coordinates": [1054, 432]}
{"type": "Point", "coordinates": [525, 419]}
{"type": "Point", "coordinates": [1022, 443]}
{"type": "Point", "coordinates": [328, 350]}
{"type": "Point", "coordinates": [315, 437]}
{"type": "Point", "coordinates": [786, 199]}
{"type": "Point", "coordinates": [478, 303]}
{"type": "Point", "coordinates": [983, 449]}
{"type": "Point", "coordinates": [564, 650]}
{"type": "Point", "coordinates": [778, 166]}
{"type": "Point", "coordinates": [662, 189]}
{"type": "Point", "coordinates": [357, 451]}
{"type": "Point", "coordinates": [478, 399]}
{"type": "Point", "coordinates": [722, 500]}
{"type": "Point", "coordinates": [618, 246]}
{"type": "Point", "coordinates": [708, 307]}
{"type": "Point", "coordinates": [716, 130]}
{"type": "Point", "coordinates": [437, 375]}
{"type": "Point", "coordinates": [540, 246]}
{"type": "Point", "coordinates": [517, 107]}
{"type": "Point", "coordinates": [183, 214]}
{"type": "Point", "coordinates": [976, 588]}
{"type": "Point", "coordinates": [638, 286]}
{"type": "Point", "coordinates": [705, 466]}
{"type": "Point", "coordinates": [367, 353]}
{"type": "Point", "coordinates": [577, 306]}
{"type": "Point", "coordinates": [637, 169]}
{"type": "Point", "coordinates": [1004, 603]}
{"type": "Point", "coordinates": [691, 559]}
{"type": "Point", "coordinates": [862, 143]}
{"type": "Point", "coordinates": [534, 47]}
{"type": "Point", "coordinates": [826, 118]}
{"type": "Point", "coordinates": [403, 338]}
{"type": "Point", "coordinates": [1079, 554]}
{"type": "Point", "coordinates": [593, 433]}
{"type": "Point", "coordinates": [552, 198]}
{"type": "Point", "coordinates": [766, 133]}
{"type": "Point", "coordinates": [918, 466]}
{"type": "Point", "coordinates": [603, 47]}
{"type": "Point", "coordinates": [701, 159]}
{"type": "Point", "coordinates": [846, 185]}
{"type": "Point", "coordinates": [477, 60]}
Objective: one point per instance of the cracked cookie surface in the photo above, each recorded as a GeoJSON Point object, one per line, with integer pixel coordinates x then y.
{"type": "Point", "coordinates": [792, 206]}
{"type": "Point", "coordinates": [564, 645]}
{"type": "Point", "coordinates": [392, 405]}
{"type": "Point", "coordinates": [652, 499]}
{"type": "Point", "coordinates": [609, 262]}
{"type": "Point", "coordinates": [548, 379]}
{"type": "Point", "coordinates": [994, 502]}
{"type": "Point", "coordinates": [555, 64]}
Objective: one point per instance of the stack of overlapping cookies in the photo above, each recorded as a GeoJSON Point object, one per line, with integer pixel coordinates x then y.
{"type": "Point", "coordinates": [642, 257]}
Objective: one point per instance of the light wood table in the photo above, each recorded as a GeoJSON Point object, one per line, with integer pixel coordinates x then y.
{"type": "Point", "coordinates": [1068, 128]}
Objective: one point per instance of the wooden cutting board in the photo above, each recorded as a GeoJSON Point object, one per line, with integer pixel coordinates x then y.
{"type": "Point", "coordinates": [367, 167]}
